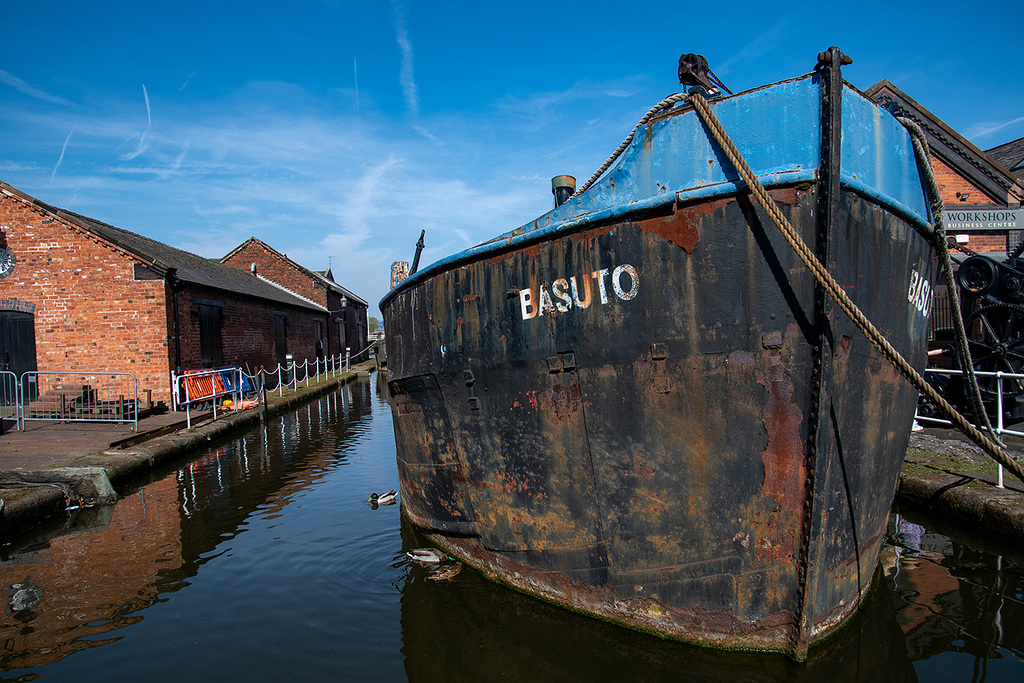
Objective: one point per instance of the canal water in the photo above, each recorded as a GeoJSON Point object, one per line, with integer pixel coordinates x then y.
{"type": "Point", "coordinates": [262, 560]}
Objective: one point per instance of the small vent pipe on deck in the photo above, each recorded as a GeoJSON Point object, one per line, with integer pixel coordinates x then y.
{"type": "Point", "coordinates": [562, 186]}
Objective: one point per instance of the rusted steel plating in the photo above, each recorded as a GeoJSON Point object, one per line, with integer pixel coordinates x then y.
{"type": "Point", "coordinates": [640, 406]}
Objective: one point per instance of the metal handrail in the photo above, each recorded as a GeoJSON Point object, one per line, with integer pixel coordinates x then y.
{"type": "Point", "coordinates": [10, 396]}
{"type": "Point", "coordinates": [289, 374]}
{"type": "Point", "coordinates": [201, 386]}
{"type": "Point", "coordinates": [79, 397]}
{"type": "Point", "coordinates": [999, 427]}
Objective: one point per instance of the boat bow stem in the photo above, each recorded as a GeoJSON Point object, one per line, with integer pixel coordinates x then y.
{"type": "Point", "coordinates": [830, 285]}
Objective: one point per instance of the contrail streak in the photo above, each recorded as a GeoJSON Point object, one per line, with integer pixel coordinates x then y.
{"type": "Point", "coordinates": [406, 76]}
{"type": "Point", "coordinates": [149, 124]}
{"type": "Point", "coordinates": [355, 75]}
{"type": "Point", "coordinates": [63, 149]}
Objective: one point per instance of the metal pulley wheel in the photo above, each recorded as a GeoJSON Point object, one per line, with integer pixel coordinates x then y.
{"type": "Point", "coordinates": [995, 336]}
{"type": "Point", "coordinates": [1011, 284]}
{"type": "Point", "coordinates": [977, 275]}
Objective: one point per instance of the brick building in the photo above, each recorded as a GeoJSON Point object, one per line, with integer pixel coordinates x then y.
{"type": "Point", "coordinates": [347, 325]}
{"type": "Point", "coordinates": [983, 197]}
{"type": "Point", "coordinates": [983, 214]}
{"type": "Point", "coordinates": [78, 295]}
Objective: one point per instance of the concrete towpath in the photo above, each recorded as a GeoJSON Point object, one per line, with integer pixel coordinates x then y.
{"type": "Point", "coordinates": [948, 476]}
{"type": "Point", "coordinates": [52, 467]}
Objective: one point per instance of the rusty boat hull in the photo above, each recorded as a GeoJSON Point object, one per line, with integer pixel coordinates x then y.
{"type": "Point", "coordinates": [641, 406]}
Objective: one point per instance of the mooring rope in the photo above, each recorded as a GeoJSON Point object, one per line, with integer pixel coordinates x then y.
{"type": "Point", "coordinates": [924, 164]}
{"type": "Point", "coordinates": [826, 280]}
{"type": "Point", "coordinates": [666, 103]}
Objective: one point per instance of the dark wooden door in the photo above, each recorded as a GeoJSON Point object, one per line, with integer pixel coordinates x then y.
{"type": "Point", "coordinates": [210, 343]}
{"type": "Point", "coordinates": [280, 337]}
{"type": "Point", "coordinates": [17, 351]}
{"type": "Point", "coordinates": [17, 342]}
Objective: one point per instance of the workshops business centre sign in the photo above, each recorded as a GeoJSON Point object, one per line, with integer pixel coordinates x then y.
{"type": "Point", "coordinates": [959, 220]}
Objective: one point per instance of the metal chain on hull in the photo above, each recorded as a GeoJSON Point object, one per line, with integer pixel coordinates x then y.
{"type": "Point", "coordinates": [830, 285]}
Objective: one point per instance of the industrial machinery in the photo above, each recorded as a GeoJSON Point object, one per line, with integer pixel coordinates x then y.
{"type": "Point", "coordinates": [992, 307]}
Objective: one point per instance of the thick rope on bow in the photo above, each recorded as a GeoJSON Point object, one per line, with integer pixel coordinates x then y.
{"type": "Point", "coordinates": [924, 164]}
{"type": "Point", "coordinates": [830, 285]}
{"type": "Point", "coordinates": [666, 103]}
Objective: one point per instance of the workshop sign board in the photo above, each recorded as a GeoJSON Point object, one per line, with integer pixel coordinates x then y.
{"type": "Point", "coordinates": [978, 218]}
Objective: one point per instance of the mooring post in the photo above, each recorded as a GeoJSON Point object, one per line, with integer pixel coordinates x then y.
{"type": "Point", "coordinates": [263, 397]}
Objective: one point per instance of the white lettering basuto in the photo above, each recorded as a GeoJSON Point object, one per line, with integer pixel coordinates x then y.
{"type": "Point", "coordinates": [920, 293]}
{"type": "Point", "coordinates": [565, 294]}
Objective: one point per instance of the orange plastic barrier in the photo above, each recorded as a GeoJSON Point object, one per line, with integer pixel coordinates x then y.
{"type": "Point", "coordinates": [202, 387]}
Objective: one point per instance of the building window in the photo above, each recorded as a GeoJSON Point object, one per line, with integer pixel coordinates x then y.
{"type": "Point", "coordinates": [210, 343]}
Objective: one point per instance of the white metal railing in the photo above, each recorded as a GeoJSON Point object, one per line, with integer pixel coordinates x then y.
{"type": "Point", "coordinates": [192, 389]}
{"type": "Point", "coordinates": [999, 427]}
{"type": "Point", "coordinates": [10, 405]}
{"type": "Point", "coordinates": [291, 373]}
{"type": "Point", "coordinates": [78, 397]}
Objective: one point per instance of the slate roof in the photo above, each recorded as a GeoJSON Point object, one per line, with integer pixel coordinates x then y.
{"type": "Point", "coordinates": [1010, 155]}
{"type": "Point", "coordinates": [324, 277]}
{"type": "Point", "coordinates": [987, 174]}
{"type": "Point", "coordinates": [160, 258]}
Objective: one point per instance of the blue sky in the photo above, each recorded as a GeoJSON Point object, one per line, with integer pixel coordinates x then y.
{"type": "Point", "coordinates": [335, 131]}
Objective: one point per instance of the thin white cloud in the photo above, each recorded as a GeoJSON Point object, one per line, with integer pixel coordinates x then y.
{"type": "Point", "coordinates": [63, 149]}
{"type": "Point", "coordinates": [425, 133]}
{"type": "Point", "coordinates": [142, 138]}
{"type": "Point", "coordinates": [544, 107]}
{"type": "Point", "coordinates": [187, 81]}
{"type": "Point", "coordinates": [26, 89]}
{"type": "Point", "coordinates": [308, 182]}
{"type": "Point", "coordinates": [15, 167]}
{"type": "Point", "coordinates": [406, 78]}
{"type": "Point", "coordinates": [355, 80]}
{"type": "Point", "coordinates": [765, 42]}
{"type": "Point", "coordinates": [179, 160]}
{"type": "Point", "coordinates": [985, 128]}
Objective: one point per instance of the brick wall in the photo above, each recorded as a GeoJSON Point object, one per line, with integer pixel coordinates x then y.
{"type": "Point", "coordinates": [950, 182]}
{"type": "Point", "coordinates": [247, 329]}
{"type": "Point", "coordinates": [91, 314]}
{"type": "Point", "coordinates": [272, 267]}
{"type": "Point", "coordinates": [987, 241]}
{"type": "Point", "coordinates": [347, 325]}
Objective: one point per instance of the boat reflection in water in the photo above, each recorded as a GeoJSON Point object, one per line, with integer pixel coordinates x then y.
{"type": "Point", "coordinates": [470, 629]}
{"type": "Point", "coordinates": [263, 561]}
{"type": "Point", "coordinates": [940, 609]}
{"type": "Point", "coordinates": [959, 604]}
